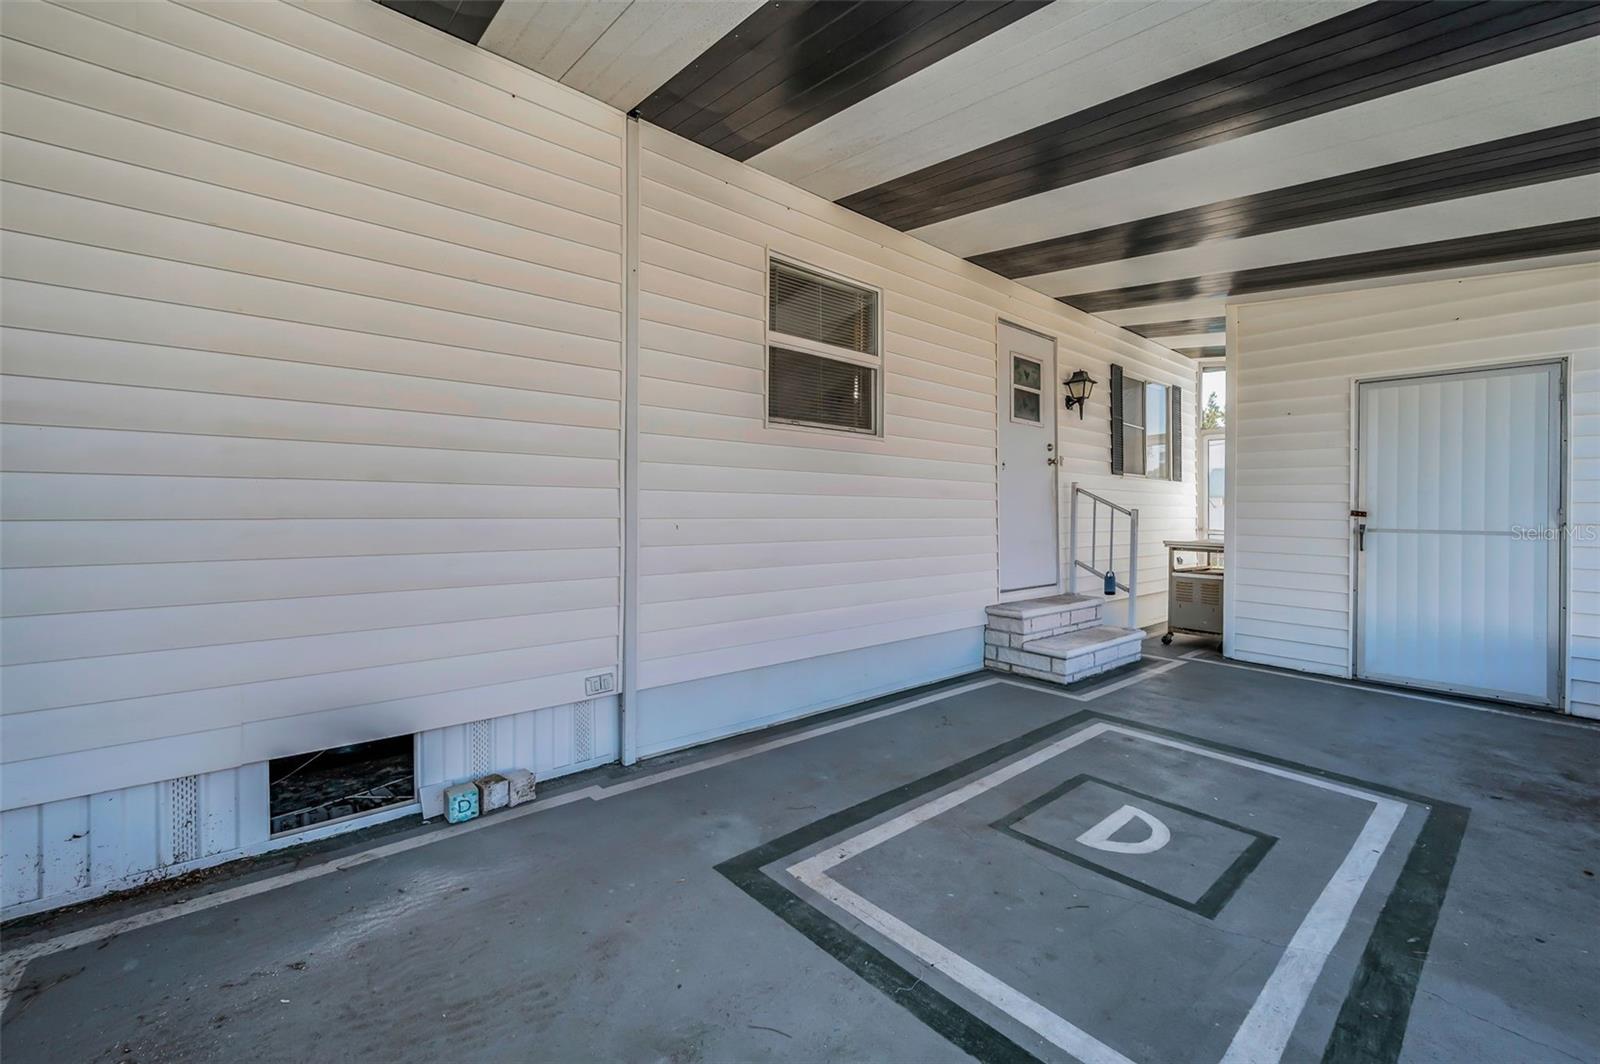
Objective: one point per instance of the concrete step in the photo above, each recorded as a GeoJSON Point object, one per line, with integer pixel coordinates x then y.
{"type": "Point", "coordinates": [1070, 656]}
{"type": "Point", "coordinates": [1038, 617]}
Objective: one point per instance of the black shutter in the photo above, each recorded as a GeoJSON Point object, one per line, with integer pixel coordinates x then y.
{"type": "Point", "coordinates": [1116, 420]}
{"type": "Point", "coordinates": [1175, 420]}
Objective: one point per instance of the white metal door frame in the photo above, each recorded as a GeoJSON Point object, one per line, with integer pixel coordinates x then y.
{"type": "Point", "coordinates": [1003, 411]}
{"type": "Point", "coordinates": [1558, 596]}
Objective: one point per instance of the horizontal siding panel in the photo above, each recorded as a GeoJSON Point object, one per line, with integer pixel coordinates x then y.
{"type": "Point", "coordinates": [741, 301]}
{"type": "Point", "coordinates": [687, 369]}
{"type": "Point", "coordinates": [722, 505]}
{"type": "Point", "coordinates": [686, 342]}
{"type": "Point", "coordinates": [475, 68]}
{"type": "Point", "coordinates": [49, 449]}
{"type": "Point", "coordinates": [53, 497]}
{"type": "Point", "coordinates": [685, 667]}
{"type": "Point", "coordinates": [30, 258]}
{"type": "Point", "coordinates": [93, 588]}
{"type": "Point", "coordinates": [70, 312]}
{"type": "Point", "coordinates": [62, 637]}
{"type": "Point", "coordinates": [791, 449]}
{"type": "Point", "coordinates": [728, 558]}
{"type": "Point", "coordinates": [1498, 305]}
{"type": "Point", "coordinates": [122, 677]}
{"type": "Point", "coordinates": [657, 476]}
{"type": "Point", "coordinates": [1255, 642]}
{"type": "Point", "coordinates": [147, 101]}
{"type": "Point", "coordinates": [567, 118]}
{"type": "Point", "coordinates": [280, 708]}
{"type": "Point", "coordinates": [701, 531]}
{"type": "Point", "coordinates": [208, 59]}
{"type": "Point", "coordinates": [70, 178]}
{"type": "Point", "coordinates": [706, 610]}
{"type": "Point", "coordinates": [191, 160]}
{"type": "Point", "coordinates": [789, 625]}
{"type": "Point", "coordinates": [31, 543]}
{"type": "Point", "coordinates": [677, 587]}
{"type": "Point", "coordinates": [52, 216]}
{"type": "Point", "coordinates": [701, 398]}
{"type": "Point", "coordinates": [735, 430]}
{"type": "Point", "coordinates": [35, 401]}
{"type": "Point", "coordinates": [284, 46]}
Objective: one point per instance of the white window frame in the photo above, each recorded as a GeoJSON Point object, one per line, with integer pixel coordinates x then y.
{"type": "Point", "coordinates": [1011, 399]}
{"type": "Point", "coordinates": [773, 338]}
{"type": "Point", "coordinates": [1202, 442]}
{"type": "Point", "coordinates": [1144, 428]}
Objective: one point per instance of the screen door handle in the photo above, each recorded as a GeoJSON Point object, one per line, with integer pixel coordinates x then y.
{"type": "Point", "coordinates": [1361, 529]}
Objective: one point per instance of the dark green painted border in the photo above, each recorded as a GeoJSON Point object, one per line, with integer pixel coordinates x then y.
{"type": "Point", "coordinates": [1208, 905]}
{"type": "Point", "coordinates": [1371, 1024]}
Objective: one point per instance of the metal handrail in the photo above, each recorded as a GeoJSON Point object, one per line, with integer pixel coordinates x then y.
{"type": "Point", "coordinates": [1074, 563]}
{"type": "Point", "coordinates": [1102, 499]}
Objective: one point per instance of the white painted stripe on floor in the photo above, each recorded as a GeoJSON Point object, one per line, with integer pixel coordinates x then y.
{"type": "Point", "coordinates": [1057, 61]}
{"type": "Point", "coordinates": [1566, 200]}
{"type": "Point", "coordinates": [1503, 100]}
{"type": "Point", "coordinates": [1019, 1006]}
{"type": "Point", "coordinates": [1264, 1034]}
{"type": "Point", "coordinates": [1208, 657]}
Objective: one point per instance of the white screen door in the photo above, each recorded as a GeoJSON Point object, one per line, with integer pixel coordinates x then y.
{"type": "Point", "coordinates": [1027, 418]}
{"type": "Point", "coordinates": [1459, 566]}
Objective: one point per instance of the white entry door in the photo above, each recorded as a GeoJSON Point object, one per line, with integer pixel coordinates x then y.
{"type": "Point", "coordinates": [1027, 418]}
{"type": "Point", "coordinates": [1460, 563]}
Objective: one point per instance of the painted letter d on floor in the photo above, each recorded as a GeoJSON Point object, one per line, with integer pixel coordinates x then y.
{"type": "Point", "coordinates": [1099, 836]}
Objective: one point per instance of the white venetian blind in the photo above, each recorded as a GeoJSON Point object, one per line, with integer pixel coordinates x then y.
{"type": "Point", "coordinates": [808, 305]}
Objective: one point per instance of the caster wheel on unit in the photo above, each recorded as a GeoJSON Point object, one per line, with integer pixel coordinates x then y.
{"type": "Point", "coordinates": [1166, 640]}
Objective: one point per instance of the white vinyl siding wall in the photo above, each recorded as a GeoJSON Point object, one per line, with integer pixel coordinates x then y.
{"type": "Point", "coordinates": [764, 544]}
{"type": "Point", "coordinates": [1292, 365]}
{"type": "Point", "coordinates": [312, 352]}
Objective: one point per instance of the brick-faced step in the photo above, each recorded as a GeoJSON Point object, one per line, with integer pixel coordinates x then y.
{"type": "Point", "coordinates": [1096, 644]}
{"type": "Point", "coordinates": [1023, 609]}
{"type": "Point", "coordinates": [1035, 618]}
{"type": "Point", "coordinates": [1069, 656]}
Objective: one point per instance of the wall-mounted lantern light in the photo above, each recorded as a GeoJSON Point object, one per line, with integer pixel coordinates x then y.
{"type": "Point", "coordinates": [1078, 386]}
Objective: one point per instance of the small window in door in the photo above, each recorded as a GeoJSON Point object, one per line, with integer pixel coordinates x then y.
{"type": "Point", "coordinates": [1027, 382]}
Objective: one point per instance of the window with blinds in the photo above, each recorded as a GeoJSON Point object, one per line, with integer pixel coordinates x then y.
{"type": "Point", "coordinates": [822, 351]}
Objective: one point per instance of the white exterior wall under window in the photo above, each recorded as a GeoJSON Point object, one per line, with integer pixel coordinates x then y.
{"type": "Point", "coordinates": [312, 333]}
{"type": "Point", "coordinates": [312, 352]}
{"type": "Point", "coordinates": [786, 570]}
{"type": "Point", "coordinates": [1292, 366]}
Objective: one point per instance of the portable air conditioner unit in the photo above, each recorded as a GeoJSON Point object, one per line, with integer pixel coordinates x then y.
{"type": "Point", "coordinates": [1194, 602]}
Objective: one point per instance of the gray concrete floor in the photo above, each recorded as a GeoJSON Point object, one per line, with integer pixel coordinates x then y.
{"type": "Point", "coordinates": [604, 929]}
